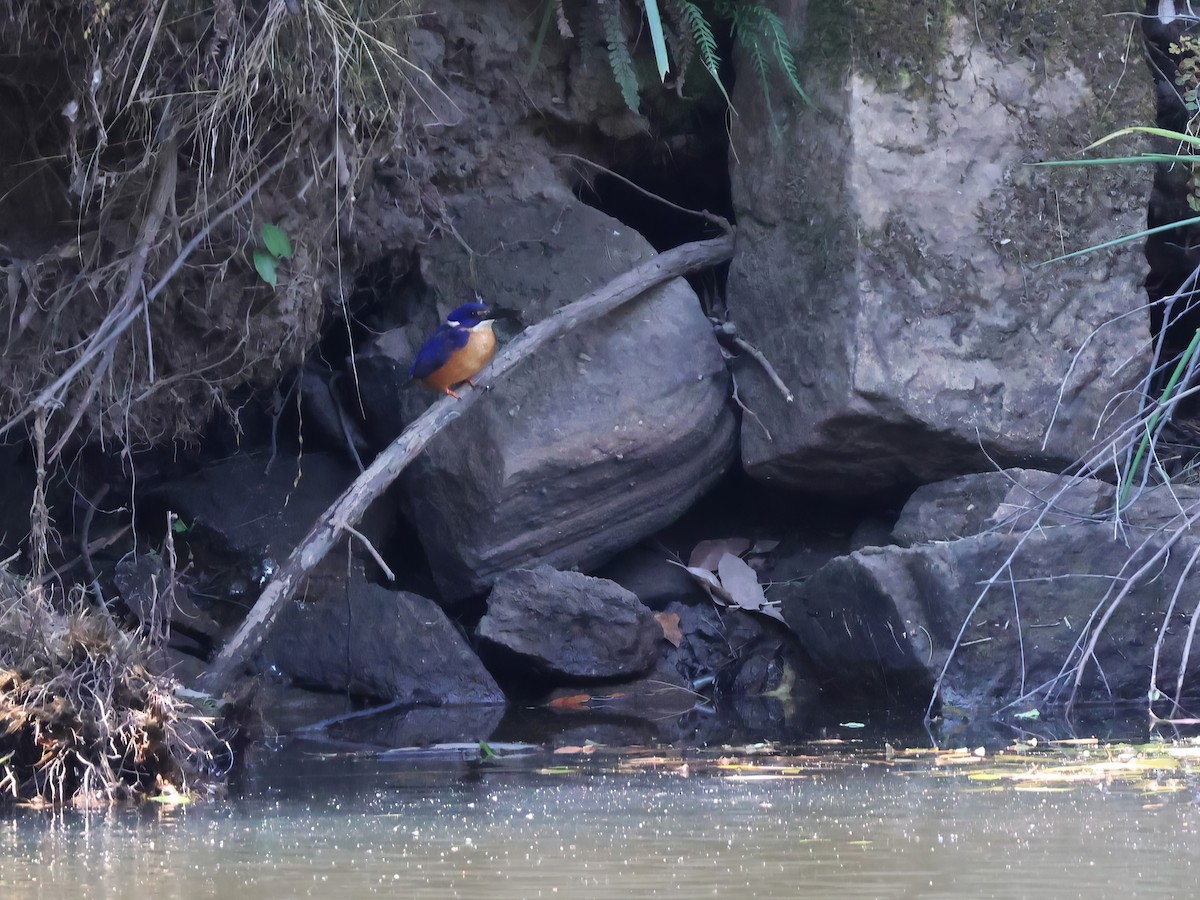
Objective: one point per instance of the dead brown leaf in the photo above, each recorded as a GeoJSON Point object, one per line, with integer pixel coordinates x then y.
{"type": "Point", "coordinates": [669, 622]}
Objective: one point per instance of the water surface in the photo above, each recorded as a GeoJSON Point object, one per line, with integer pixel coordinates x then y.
{"type": "Point", "coordinates": [570, 826]}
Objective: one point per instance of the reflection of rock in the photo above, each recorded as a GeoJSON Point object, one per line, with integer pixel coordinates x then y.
{"type": "Point", "coordinates": [886, 619]}
{"type": "Point", "coordinates": [603, 437]}
{"type": "Point", "coordinates": [882, 261]}
{"type": "Point", "coordinates": [371, 641]}
{"type": "Point", "coordinates": [420, 726]}
{"type": "Point", "coordinates": [569, 625]}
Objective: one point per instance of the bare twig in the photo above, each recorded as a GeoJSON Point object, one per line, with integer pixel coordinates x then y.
{"type": "Point", "coordinates": [117, 322]}
{"type": "Point", "coordinates": [348, 509]}
{"type": "Point", "coordinates": [759, 357]}
{"type": "Point", "coordinates": [370, 548]}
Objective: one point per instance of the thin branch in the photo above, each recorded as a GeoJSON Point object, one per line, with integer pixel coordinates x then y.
{"type": "Point", "coordinates": [348, 509]}
{"type": "Point", "coordinates": [760, 358]}
{"type": "Point", "coordinates": [370, 548]}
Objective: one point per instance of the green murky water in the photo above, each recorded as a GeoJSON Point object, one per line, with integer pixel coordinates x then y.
{"type": "Point", "coordinates": [850, 826]}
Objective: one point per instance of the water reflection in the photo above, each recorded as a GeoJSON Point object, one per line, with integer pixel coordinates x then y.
{"type": "Point", "coordinates": [360, 827]}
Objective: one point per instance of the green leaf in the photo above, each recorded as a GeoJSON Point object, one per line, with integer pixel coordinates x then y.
{"type": "Point", "coordinates": [619, 58]}
{"type": "Point", "coordinates": [706, 42]}
{"type": "Point", "coordinates": [657, 38]}
{"type": "Point", "coordinates": [1118, 160]}
{"type": "Point", "coordinates": [1145, 129]}
{"type": "Point", "coordinates": [264, 264]}
{"type": "Point", "coordinates": [179, 526]}
{"type": "Point", "coordinates": [485, 751]}
{"type": "Point", "coordinates": [543, 28]}
{"type": "Point", "coordinates": [1030, 714]}
{"type": "Point", "coordinates": [852, 725]}
{"type": "Point", "coordinates": [276, 241]}
{"type": "Point", "coordinates": [1124, 239]}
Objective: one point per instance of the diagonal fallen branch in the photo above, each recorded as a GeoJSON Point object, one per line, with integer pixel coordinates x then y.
{"type": "Point", "coordinates": [348, 509]}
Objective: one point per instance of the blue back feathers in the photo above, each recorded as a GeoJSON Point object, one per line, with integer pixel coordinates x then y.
{"type": "Point", "coordinates": [450, 336]}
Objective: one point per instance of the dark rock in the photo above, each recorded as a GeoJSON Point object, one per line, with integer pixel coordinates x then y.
{"type": "Point", "coordinates": [183, 667]}
{"type": "Point", "coordinates": [602, 438]}
{"type": "Point", "coordinates": [894, 299]}
{"type": "Point", "coordinates": [18, 479]}
{"type": "Point", "coordinates": [873, 531]}
{"type": "Point", "coordinates": [884, 620]}
{"type": "Point", "coordinates": [649, 574]}
{"type": "Point", "coordinates": [740, 653]}
{"type": "Point", "coordinates": [288, 708]}
{"type": "Point", "coordinates": [159, 599]}
{"type": "Point", "coordinates": [387, 393]}
{"type": "Point", "coordinates": [241, 517]}
{"type": "Point", "coordinates": [570, 625]}
{"type": "Point", "coordinates": [392, 645]}
{"type": "Point", "coordinates": [1009, 500]}
{"type": "Point", "coordinates": [254, 507]}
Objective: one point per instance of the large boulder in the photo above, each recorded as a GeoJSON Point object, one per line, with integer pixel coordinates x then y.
{"type": "Point", "coordinates": [602, 438]}
{"type": "Point", "coordinates": [569, 625]}
{"type": "Point", "coordinates": [1018, 571]}
{"type": "Point", "coordinates": [885, 251]}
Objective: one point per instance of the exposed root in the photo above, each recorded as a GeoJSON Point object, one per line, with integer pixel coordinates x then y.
{"type": "Point", "coordinates": [84, 719]}
{"type": "Point", "coordinates": [151, 127]}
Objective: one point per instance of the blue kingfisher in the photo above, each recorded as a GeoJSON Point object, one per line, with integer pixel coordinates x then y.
{"type": "Point", "coordinates": [460, 347]}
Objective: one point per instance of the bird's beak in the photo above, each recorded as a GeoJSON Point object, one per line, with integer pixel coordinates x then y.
{"type": "Point", "coordinates": [504, 312]}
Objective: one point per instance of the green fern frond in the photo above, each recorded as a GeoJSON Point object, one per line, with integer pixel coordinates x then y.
{"type": "Point", "coordinates": [683, 51]}
{"type": "Point", "coordinates": [702, 36]}
{"type": "Point", "coordinates": [783, 51]}
{"type": "Point", "coordinates": [758, 59]}
{"type": "Point", "coordinates": [619, 57]}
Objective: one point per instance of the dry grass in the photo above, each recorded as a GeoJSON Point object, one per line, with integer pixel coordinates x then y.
{"type": "Point", "coordinates": [85, 719]}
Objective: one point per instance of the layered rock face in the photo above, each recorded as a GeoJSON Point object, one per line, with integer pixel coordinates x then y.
{"type": "Point", "coordinates": [601, 439]}
{"type": "Point", "coordinates": [889, 241]}
{"type": "Point", "coordinates": [1017, 587]}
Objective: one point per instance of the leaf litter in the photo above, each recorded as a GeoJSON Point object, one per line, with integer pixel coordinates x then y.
{"type": "Point", "coordinates": [718, 567]}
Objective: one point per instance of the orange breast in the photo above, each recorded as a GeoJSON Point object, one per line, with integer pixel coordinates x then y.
{"type": "Point", "coordinates": [467, 362]}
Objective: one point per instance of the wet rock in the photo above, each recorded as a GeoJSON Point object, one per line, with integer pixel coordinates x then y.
{"type": "Point", "coordinates": [885, 620]}
{"type": "Point", "coordinates": [370, 641]}
{"type": "Point", "coordinates": [420, 726]}
{"type": "Point", "coordinates": [882, 260]}
{"type": "Point", "coordinates": [738, 653]}
{"type": "Point", "coordinates": [602, 438]}
{"type": "Point", "coordinates": [569, 625]}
